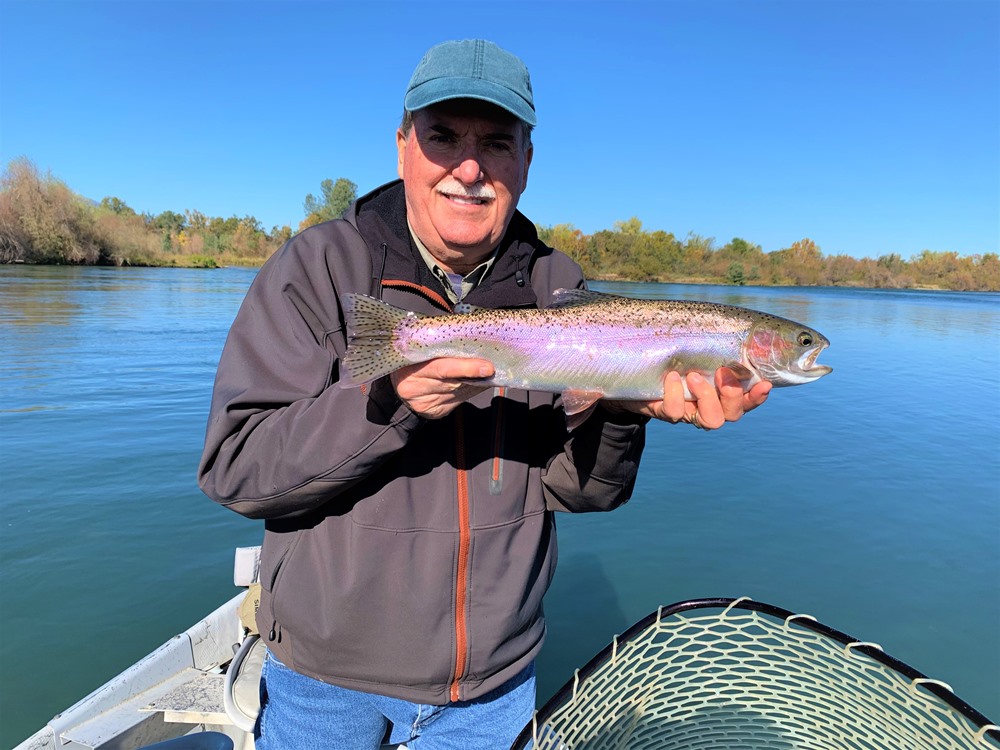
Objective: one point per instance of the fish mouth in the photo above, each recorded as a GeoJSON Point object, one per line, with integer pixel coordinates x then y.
{"type": "Point", "coordinates": [807, 368]}
{"type": "Point", "coordinates": [799, 371]}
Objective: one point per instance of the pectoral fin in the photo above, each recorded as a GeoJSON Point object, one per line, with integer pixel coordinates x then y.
{"type": "Point", "coordinates": [741, 371]}
{"type": "Point", "coordinates": [579, 405]}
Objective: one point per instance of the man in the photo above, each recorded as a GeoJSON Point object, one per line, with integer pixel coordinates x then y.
{"type": "Point", "coordinates": [409, 536]}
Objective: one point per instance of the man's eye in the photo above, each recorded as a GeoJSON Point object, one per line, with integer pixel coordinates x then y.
{"type": "Point", "coordinates": [499, 147]}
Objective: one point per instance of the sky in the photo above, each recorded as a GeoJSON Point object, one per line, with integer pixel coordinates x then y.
{"type": "Point", "coordinates": [868, 126]}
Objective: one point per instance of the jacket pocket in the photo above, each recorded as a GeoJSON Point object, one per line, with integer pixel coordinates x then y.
{"type": "Point", "coordinates": [277, 550]}
{"type": "Point", "coordinates": [496, 448]}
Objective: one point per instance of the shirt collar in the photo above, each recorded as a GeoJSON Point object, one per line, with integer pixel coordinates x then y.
{"type": "Point", "coordinates": [456, 286]}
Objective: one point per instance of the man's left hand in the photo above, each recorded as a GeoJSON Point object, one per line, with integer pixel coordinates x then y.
{"type": "Point", "coordinates": [714, 405]}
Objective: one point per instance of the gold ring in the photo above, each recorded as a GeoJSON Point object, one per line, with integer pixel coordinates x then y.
{"type": "Point", "coordinates": [694, 419]}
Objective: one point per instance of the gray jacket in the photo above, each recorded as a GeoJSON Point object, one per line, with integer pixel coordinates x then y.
{"type": "Point", "coordinates": [401, 556]}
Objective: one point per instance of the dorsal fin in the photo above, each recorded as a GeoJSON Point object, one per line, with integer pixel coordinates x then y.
{"type": "Point", "coordinates": [576, 297]}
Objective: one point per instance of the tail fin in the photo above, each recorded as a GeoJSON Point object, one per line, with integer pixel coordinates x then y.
{"type": "Point", "coordinates": [371, 329]}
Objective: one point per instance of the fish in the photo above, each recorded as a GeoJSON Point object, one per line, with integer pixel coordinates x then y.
{"type": "Point", "coordinates": [586, 345]}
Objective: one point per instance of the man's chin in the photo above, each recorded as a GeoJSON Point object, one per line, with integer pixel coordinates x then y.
{"type": "Point", "coordinates": [469, 242]}
{"type": "Point", "coordinates": [465, 254]}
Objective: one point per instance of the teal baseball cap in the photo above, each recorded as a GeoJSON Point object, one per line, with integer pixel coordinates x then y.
{"type": "Point", "coordinates": [472, 69]}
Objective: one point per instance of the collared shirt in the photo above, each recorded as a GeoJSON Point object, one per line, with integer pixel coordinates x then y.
{"type": "Point", "coordinates": [456, 286]}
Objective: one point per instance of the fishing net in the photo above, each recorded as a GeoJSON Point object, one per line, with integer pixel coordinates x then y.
{"type": "Point", "coordinates": [725, 674]}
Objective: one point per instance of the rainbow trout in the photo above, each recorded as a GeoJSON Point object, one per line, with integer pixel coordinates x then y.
{"type": "Point", "coordinates": [586, 346]}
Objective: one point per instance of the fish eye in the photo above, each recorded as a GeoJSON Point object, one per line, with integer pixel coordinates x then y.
{"type": "Point", "coordinates": [805, 339]}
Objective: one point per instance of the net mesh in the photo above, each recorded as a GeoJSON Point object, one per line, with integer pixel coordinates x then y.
{"type": "Point", "coordinates": [736, 674]}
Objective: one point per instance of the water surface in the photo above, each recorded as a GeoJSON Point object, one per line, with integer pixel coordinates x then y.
{"type": "Point", "coordinates": [869, 499]}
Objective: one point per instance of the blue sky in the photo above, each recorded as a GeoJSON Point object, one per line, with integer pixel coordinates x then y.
{"type": "Point", "coordinates": [870, 127]}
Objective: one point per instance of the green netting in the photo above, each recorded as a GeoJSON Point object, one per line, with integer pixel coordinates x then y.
{"type": "Point", "coordinates": [728, 674]}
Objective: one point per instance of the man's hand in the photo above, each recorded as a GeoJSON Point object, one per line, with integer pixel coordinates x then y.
{"type": "Point", "coordinates": [433, 389]}
{"type": "Point", "coordinates": [714, 405]}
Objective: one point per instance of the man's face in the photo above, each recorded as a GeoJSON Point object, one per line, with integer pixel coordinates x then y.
{"type": "Point", "coordinates": [464, 165]}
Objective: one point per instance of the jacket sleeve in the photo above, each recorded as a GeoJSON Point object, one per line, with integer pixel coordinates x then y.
{"type": "Point", "coordinates": [283, 437]}
{"type": "Point", "coordinates": [598, 467]}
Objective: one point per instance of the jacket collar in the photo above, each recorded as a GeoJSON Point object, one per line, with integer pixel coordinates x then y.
{"type": "Point", "coordinates": [380, 217]}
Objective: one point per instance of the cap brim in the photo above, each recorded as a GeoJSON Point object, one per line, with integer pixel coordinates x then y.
{"type": "Point", "coordinates": [443, 89]}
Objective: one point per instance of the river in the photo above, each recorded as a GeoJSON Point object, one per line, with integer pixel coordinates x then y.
{"type": "Point", "coordinates": [869, 499]}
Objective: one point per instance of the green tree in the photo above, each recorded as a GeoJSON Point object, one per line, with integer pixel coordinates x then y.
{"type": "Point", "coordinates": [668, 251]}
{"type": "Point", "coordinates": [740, 248]}
{"type": "Point", "coordinates": [631, 226]}
{"type": "Point", "coordinates": [892, 262]}
{"type": "Point", "coordinates": [280, 235]}
{"type": "Point", "coordinates": [116, 206]}
{"type": "Point", "coordinates": [696, 253]}
{"type": "Point", "coordinates": [334, 199]}
{"type": "Point", "coordinates": [168, 221]}
{"type": "Point", "coordinates": [648, 257]}
{"type": "Point", "coordinates": [568, 239]}
{"type": "Point", "coordinates": [735, 274]}
{"type": "Point", "coordinates": [614, 250]}
{"type": "Point", "coordinates": [196, 220]}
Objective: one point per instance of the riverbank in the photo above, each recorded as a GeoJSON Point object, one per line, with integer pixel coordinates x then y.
{"type": "Point", "coordinates": [42, 221]}
{"type": "Point", "coordinates": [213, 263]}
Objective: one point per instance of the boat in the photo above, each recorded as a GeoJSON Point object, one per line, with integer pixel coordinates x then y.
{"type": "Point", "coordinates": [707, 673]}
{"type": "Point", "coordinates": [197, 690]}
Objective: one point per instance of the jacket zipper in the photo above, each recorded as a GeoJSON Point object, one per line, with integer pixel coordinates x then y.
{"type": "Point", "coordinates": [462, 572]}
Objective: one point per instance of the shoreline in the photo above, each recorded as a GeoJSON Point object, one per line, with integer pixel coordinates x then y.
{"type": "Point", "coordinates": [257, 263]}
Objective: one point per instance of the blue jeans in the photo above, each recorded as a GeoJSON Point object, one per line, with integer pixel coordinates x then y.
{"type": "Point", "coordinates": [301, 713]}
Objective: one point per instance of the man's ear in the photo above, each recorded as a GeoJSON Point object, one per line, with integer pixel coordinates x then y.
{"type": "Point", "coordinates": [400, 152]}
{"type": "Point", "coordinates": [527, 166]}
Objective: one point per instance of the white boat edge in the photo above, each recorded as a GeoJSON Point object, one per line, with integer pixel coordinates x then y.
{"type": "Point", "coordinates": [124, 713]}
{"type": "Point", "coordinates": [179, 689]}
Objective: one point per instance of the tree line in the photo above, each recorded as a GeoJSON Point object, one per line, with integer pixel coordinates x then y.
{"type": "Point", "coordinates": [43, 221]}
{"type": "Point", "coordinates": [630, 253]}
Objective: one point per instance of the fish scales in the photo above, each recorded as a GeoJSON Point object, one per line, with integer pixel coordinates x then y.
{"type": "Point", "coordinates": [542, 349]}
{"type": "Point", "coordinates": [587, 344]}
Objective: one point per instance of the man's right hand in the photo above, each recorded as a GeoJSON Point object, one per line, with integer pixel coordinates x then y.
{"type": "Point", "coordinates": [433, 389]}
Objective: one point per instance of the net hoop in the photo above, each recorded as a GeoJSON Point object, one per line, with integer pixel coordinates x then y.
{"type": "Point", "coordinates": [579, 716]}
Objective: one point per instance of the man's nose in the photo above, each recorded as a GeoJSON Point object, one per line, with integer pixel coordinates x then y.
{"type": "Point", "coordinates": [469, 170]}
